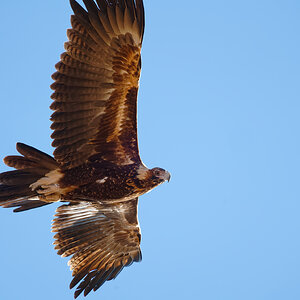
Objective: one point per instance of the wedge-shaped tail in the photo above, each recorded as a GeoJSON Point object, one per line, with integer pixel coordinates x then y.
{"type": "Point", "coordinates": [15, 190]}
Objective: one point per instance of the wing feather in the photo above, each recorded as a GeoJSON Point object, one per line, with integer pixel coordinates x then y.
{"type": "Point", "coordinates": [102, 240]}
{"type": "Point", "coordinates": [96, 84]}
{"type": "Point", "coordinates": [102, 5]}
{"type": "Point", "coordinates": [91, 6]}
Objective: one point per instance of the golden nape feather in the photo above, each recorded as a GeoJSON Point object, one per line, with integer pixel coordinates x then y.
{"type": "Point", "coordinates": [96, 168]}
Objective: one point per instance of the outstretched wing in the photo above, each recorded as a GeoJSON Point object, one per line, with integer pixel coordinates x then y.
{"type": "Point", "coordinates": [96, 84]}
{"type": "Point", "coordinates": [103, 239]}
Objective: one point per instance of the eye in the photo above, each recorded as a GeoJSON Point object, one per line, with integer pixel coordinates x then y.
{"type": "Point", "coordinates": [156, 172]}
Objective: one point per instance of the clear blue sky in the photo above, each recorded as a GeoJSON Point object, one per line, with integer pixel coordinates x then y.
{"type": "Point", "coordinates": [219, 108]}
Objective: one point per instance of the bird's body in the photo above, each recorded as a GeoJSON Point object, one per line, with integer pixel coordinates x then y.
{"type": "Point", "coordinates": [96, 168]}
{"type": "Point", "coordinates": [97, 180]}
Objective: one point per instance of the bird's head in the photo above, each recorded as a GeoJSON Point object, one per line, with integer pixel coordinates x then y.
{"type": "Point", "coordinates": [152, 177]}
{"type": "Point", "coordinates": [160, 175]}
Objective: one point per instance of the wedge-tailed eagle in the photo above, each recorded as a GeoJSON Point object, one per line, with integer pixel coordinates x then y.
{"type": "Point", "coordinates": [96, 167]}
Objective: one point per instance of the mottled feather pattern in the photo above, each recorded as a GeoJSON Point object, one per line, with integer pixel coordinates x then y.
{"type": "Point", "coordinates": [101, 238]}
{"type": "Point", "coordinates": [96, 166]}
{"type": "Point", "coordinates": [97, 79]}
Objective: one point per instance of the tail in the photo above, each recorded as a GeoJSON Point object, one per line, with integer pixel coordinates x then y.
{"type": "Point", "coordinates": [15, 190]}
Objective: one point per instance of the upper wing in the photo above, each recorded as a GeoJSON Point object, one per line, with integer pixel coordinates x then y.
{"type": "Point", "coordinates": [96, 84]}
{"type": "Point", "coordinates": [103, 239]}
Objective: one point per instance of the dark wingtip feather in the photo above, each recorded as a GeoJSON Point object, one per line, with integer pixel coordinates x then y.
{"type": "Point", "coordinates": [78, 9]}
{"type": "Point", "coordinates": [100, 281]}
{"type": "Point", "coordinates": [141, 15]}
{"type": "Point", "coordinates": [138, 257]}
{"type": "Point", "coordinates": [102, 5]}
{"type": "Point", "coordinates": [77, 293]}
{"type": "Point", "coordinates": [115, 272]}
{"type": "Point", "coordinates": [78, 277]}
{"type": "Point", "coordinates": [84, 283]}
{"type": "Point", "coordinates": [91, 6]}
{"type": "Point", "coordinates": [93, 282]}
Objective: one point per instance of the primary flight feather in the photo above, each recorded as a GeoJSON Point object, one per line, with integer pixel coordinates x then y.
{"type": "Point", "coordinates": [96, 167]}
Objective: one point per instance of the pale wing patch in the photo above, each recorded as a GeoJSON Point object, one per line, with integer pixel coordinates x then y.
{"type": "Point", "coordinates": [126, 57]}
{"type": "Point", "coordinates": [119, 120]}
{"type": "Point", "coordinates": [100, 181]}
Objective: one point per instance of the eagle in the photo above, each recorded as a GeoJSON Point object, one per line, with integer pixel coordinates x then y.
{"type": "Point", "coordinates": [96, 170]}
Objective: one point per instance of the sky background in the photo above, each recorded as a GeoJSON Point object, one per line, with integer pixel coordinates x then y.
{"type": "Point", "coordinates": [218, 107]}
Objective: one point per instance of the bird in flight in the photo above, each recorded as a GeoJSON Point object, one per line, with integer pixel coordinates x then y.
{"type": "Point", "coordinates": [96, 169]}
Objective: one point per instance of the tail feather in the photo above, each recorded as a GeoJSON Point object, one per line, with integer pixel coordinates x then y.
{"type": "Point", "coordinates": [23, 205]}
{"type": "Point", "coordinates": [15, 191]}
{"type": "Point", "coordinates": [15, 188]}
{"type": "Point", "coordinates": [20, 162]}
{"type": "Point", "coordinates": [31, 156]}
{"type": "Point", "coordinates": [20, 177]}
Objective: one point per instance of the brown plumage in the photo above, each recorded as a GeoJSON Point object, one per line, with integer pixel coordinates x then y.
{"type": "Point", "coordinates": [96, 166]}
{"type": "Point", "coordinates": [96, 84]}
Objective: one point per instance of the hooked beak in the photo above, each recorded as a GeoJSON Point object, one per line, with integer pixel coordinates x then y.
{"type": "Point", "coordinates": [167, 176]}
